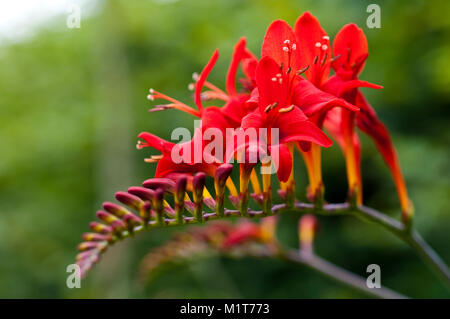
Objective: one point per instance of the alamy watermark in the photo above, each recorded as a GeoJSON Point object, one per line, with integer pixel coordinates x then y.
{"type": "Point", "coordinates": [374, 279]}
{"type": "Point", "coordinates": [73, 20]}
{"type": "Point", "coordinates": [74, 279]}
{"type": "Point", "coordinates": [374, 19]}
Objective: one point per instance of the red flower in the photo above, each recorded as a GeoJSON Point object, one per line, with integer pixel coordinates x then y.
{"type": "Point", "coordinates": [297, 53]}
{"type": "Point", "coordinates": [351, 46]}
{"type": "Point", "coordinates": [276, 111]}
{"type": "Point", "coordinates": [180, 160]}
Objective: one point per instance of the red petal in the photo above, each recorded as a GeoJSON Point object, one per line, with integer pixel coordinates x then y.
{"type": "Point", "coordinates": [206, 70]}
{"type": "Point", "coordinates": [309, 32]}
{"type": "Point", "coordinates": [277, 33]}
{"type": "Point", "coordinates": [313, 101]}
{"type": "Point", "coordinates": [155, 142]}
{"type": "Point", "coordinates": [238, 55]}
{"type": "Point", "coordinates": [368, 122]}
{"type": "Point", "coordinates": [351, 44]}
{"type": "Point", "coordinates": [213, 117]}
{"type": "Point", "coordinates": [249, 68]}
{"type": "Point", "coordinates": [270, 91]}
{"type": "Point", "coordinates": [253, 119]}
{"type": "Point", "coordinates": [282, 159]}
{"type": "Point", "coordinates": [235, 109]}
{"type": "Point", "coordinates": [294, 126]}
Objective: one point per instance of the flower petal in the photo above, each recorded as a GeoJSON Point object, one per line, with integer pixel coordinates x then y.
{"type": "Point", "coordinates": [155, 142]}
{"type": "Point", "coordinates": [295, 126]}
{"type": "Point", "coordinates": [282, 159]}
{"type": "Point", "coordinates": [312, 100]}
{"type": "Point", "coordinates": [350, 44]}
{"type": "Point", "coordinates": [277, 35]}
{"type": "Point", "coordinates": [238, 55]}
{"type": "Point", "coordinates": [368, 122]}
{"type": "Point", "coordinates": [205, 72]}
{"type": "Point", "coordinates": [253, 120]}
{"type": "Point", "coordinates": [270, 89]}
{"type": "Point", "coordinates": [235, 109]}
{"type": "Point", "coordinates": [309, 32]}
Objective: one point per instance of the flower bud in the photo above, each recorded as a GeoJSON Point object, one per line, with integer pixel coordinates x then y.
{"type": "Point", "coordinates": [100, 228]}
{"type": "Point", "coordinates": [89, 245]}
{"type": "Point", "coordinates": [96, 237]}
{"type": "Point", "coordinates": [222, 174]}
{"type": "Point", "coordinates": [307, 228]}
{"type": "Point", "coordinates": [143, 193]}
{"type": "Point", "coordinates": [112, 220]}
{"type": "Point", "coordinates": [165, 184]}
{"type": "Point", "coordinates": [198, 185]}
{"type": "Point", "coordinates": [158, 206]}
{"type": "Point", "coordinates": [180, 193]}
{"type": "Point", "coordinates": [129, 200]}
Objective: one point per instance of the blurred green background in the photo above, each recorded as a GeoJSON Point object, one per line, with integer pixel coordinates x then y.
{"type": "Point", "coordinates": [73, 101]}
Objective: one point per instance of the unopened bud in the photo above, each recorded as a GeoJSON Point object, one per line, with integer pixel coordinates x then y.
{"type": "Point", "coordinates": [141, 192]}
{"type": "Point", "coordinates": [166, 184]}
{"type": "Point", "coordinates": [89, 245]}
{"type": "Point", "coordinates": [222, 174]}
{"type": "Point", "coordinates": [180, 194]}
{"type": "Point", "coordinates": [307, 228]}
{"type": "Point", "coordinates": [100, 228]}
{"type": "Point", "coordinates": [198, 184]}
{"type": "Point", "coordinates": [96, 237]}
{"type": "Point", "coordinates": [158, 206]}
{"type": "Point", "coordinates": [129, 200]}
{"type": "Point", "coordinates": [112, 220]}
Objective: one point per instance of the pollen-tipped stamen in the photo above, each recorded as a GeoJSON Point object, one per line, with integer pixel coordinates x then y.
{"type": "Point", "coordinates": [175, 103]}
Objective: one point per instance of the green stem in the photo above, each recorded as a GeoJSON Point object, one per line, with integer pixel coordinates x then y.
{"type": "Point", "coordinates": [338, 274]}
{"type": "Point", "coordinates": [410, 236]}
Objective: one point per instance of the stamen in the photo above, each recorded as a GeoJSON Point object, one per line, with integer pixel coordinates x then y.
{"type": "Point", "coordinates": [289, 70]}
{"type": "Point", "coordinates": [141, 145]}
{"type": "Point", "coordinates": [213, 95]}
{"type": "Point", "coordinates": [315, 59]}
{"type": "Point", "coordinates": [209, 85]}
{"type": "Point", "coordinates": [325, 37]}
{"type": "Point", "coordinates": [301, 71]}
{"type": "Point", "coordinates": [324, 47]}
{"type": "Point", "coordinates": [274, 79]}
{"type": "Point", "coordinates": [285, 49]}
{"type": "Point", "coordinates": [318, 44]}
{"type": "Point", "coordinates": [286, 109]}
{"type": "Point", "coordinates": [270, 106]}
{"type": "Point", "coordinates": [324, 60]}
{"type": "Point", "coordinates": [175, 103]}
{"type": "Point", "coordinates": [336, 57]}
{"type": "Point", "coordinates": [286, 41]}
{"type": "Point", "coordinates": [191, 86]}
{"type": "Point", "coordinates": [294, 47]}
